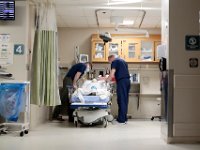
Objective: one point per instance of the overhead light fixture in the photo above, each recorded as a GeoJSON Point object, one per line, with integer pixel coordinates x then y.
{"type": "Point", "coordinates": [128, 22]}
{"type": "Point", "coordinates": [116, 20]}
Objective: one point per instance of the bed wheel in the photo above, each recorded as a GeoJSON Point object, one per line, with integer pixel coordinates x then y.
{"type": "Point", "coordinates": [105, 122]}
{"type": "Point", "coordinates": [110, 118]}
{"type": "Point", "coordinates": [21, 134]}
{"type": "Point", "coordinates": [26, 131]}
{"type": "Point", "coordinates": [3, 132]}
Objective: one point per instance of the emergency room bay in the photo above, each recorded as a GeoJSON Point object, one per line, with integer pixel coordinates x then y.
{"type": "Point", "coordinates": [163, 106]}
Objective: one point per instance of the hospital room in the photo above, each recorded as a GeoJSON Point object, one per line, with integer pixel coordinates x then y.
{"type": "Point", "coordinates": [99, 74]}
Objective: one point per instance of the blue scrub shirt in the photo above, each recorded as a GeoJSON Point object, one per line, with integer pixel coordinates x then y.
{"type": "Point", "coordinates": [80, 67]}
{"type": "Point", "coordinates": [121, 68]}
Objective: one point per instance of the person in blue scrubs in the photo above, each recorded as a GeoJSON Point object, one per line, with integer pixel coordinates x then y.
{"type": "Point", "coordinates": [70, 80]}
{"type": "Point", "coordinates": [75, 73]}
{"type": "Point", "coordinates": [119, 70]}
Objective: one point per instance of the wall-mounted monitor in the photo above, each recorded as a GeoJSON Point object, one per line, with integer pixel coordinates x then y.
{"type": "Point", "coordinates": [7, 10]}
{"type": "Point", "coordinates": [83, 58]}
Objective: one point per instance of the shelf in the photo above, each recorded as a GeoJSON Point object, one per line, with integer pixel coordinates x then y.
{"type": "Point", "coordinates": [136, 94]}
{"type": "Point", "coordinates": [113, 51]}
{"type": "Point", "coordinates": [98, 51]}
{"type": "Point", "coordinates": [146, 51]}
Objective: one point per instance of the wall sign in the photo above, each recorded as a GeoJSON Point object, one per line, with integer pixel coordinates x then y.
{"type": "Point", "coordinates": [6, 49]}
{"type": "Point", "coordinates": [5, 38]}
{"type": "Point", "coordinates": [193, 62]}
{"type": "Point", "coordinates": [19, 49]}
{"type": "Point", "coordinates": [192, 42]}
{"type": "Point", "coordinates": [6, 53]}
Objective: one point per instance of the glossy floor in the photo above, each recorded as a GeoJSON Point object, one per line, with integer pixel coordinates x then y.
{"type": "Point", "coordinates": [136, 135]}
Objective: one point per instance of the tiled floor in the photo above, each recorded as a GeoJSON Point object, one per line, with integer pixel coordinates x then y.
{"type": "Point", "coordinates": [136, 135]}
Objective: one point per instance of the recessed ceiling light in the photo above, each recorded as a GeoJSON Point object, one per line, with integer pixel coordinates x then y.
{"type": "Point", "coordinates": [128, 22]}
{"type": "Point", "coordinates": [116, 20]}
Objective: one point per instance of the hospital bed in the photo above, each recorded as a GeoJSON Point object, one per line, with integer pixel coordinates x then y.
{"type": "Point", "coordinates": [91, 103]}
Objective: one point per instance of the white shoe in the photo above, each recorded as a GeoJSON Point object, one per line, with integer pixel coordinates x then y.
{"type": "Point", "coordinates": [115, 122]}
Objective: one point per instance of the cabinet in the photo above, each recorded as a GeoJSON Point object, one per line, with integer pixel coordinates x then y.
{"type": "Point", "coordinates": [156, 43]}
{"type": "Point", "coordinates": [130, 50]}
{"type": "Point", "coordinates": [98, 51]}
{"type": "Point", "coordinates": [147, 50]}
{"type": "Point", "coordinates": [114, 47]}
{"type": "Point", "coordinates": [136, 49]}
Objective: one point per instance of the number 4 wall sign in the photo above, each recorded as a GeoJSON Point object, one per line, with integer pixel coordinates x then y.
{"type": "Point", "coordinates": [19, 49]}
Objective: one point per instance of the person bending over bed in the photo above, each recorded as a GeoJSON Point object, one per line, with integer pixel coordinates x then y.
{"type": "Point", "coordinates": [70, 80]}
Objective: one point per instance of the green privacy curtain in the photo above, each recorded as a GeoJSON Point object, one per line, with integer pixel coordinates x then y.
{"type": "Point", "coordinates": [44, 77]}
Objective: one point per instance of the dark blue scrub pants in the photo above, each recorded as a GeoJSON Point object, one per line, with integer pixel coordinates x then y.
{"type": "Point", "coordinates": [123, 87]}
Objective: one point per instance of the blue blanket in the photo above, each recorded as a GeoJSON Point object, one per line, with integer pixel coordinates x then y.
{"type": "Point", "coordinates": [90, 99]}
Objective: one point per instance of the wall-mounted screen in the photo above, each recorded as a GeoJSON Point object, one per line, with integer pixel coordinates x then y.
{"type": "Point", "coordinates": [83, 58]}
{"type": "Point", "coordinates": [7, 10]}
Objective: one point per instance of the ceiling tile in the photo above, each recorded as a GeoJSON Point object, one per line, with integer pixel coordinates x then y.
{"type": "Point", "coordinates": [89, 12]}
{"type": "Point", "coordinates": [75, 21]}
{"type": "Point", "coordinates": [151, 22]}
{"type": "Point", "coordinates": [126, 13]}
{"type": "Point", "coordinates": [152, 13]}
{"type": "Point", "coordinates": [150, 4]}
{"type": "Point", "coordinates": [91, 21]}
{"type": "Point", "coordinates": [70, 11]}
{"type": "Point", "coordinates": [67, 2]}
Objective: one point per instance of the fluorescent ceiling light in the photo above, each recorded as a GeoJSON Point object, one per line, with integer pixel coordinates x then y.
{"type": "Point", "coordinates": [128, 22]}
{"type": "Point", "coordinates": [116, 19]}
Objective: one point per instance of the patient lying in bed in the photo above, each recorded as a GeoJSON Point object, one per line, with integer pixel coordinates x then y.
{"type": "Point", "coordinates": [92, 91]}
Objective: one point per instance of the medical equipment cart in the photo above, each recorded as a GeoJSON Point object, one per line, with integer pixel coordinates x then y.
{"type": "Point", "coordinates": [22, 125]}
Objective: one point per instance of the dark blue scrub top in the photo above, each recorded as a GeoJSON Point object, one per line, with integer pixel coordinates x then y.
{"type": "Point", "coordinates": [80, 67]}
{"type": "Point", "coordinates": [121, 68]}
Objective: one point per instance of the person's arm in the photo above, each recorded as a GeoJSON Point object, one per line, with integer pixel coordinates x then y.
{"type": "Point", "coordinates": [111, 75]}
{"type": "Point", "coordinates": [77, 76]}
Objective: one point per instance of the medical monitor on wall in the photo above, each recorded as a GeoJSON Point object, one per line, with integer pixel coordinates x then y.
{"type": "Point", "coordinates": [83, 58]}
{"type": "Point", "coordinates": [7, 10]}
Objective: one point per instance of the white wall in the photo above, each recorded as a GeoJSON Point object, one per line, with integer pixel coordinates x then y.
{"type": "Point", "coordinates": [18, 31]}
{"type": "Point", "coordinates": [184, 20]}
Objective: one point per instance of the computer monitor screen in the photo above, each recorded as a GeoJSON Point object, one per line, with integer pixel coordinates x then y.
{"type": "Point", "coordinates": [7, 10]}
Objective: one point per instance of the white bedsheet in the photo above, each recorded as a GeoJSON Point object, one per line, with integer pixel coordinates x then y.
{"type": "Point", "coordinates": [100, 88]}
